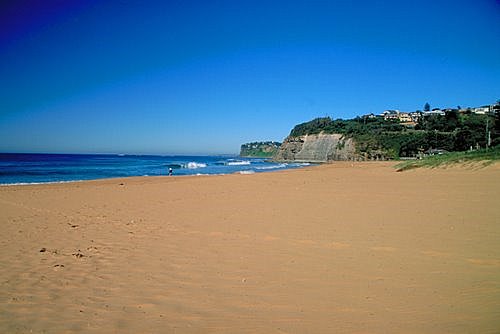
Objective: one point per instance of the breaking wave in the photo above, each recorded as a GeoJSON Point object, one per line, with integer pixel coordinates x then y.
{"type": "Point", "coordinates": [238, 163]}
{"type": "Point", "coordinates": [272, 167]}
{"type": "Point", "coordinates": [194, 165]}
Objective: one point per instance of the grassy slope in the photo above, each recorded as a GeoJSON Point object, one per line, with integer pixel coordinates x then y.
{"type": "Point", "coordinates": [483, 157]}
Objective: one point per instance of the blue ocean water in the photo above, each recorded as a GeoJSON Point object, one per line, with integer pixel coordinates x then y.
{"type": "Point", "coordinates": [43, 168]}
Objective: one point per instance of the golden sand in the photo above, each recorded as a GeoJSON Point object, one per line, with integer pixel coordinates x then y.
{"type": "Point", "coordinates": [340, 248]}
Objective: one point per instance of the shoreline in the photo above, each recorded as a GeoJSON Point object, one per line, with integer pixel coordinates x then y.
{"type": "Point", "coordinates": [345, 247]}
{"type": "Point", "coordinates": [50, 168]}
{"type": "Point", "coordinates": [270, 170]}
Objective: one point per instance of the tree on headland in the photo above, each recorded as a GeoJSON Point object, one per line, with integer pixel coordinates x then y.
{"type": "Point", "coordinates": [496, 128]}
{"type": "Point", "coordinates": [451, 120]}
{"type": "Point", "coordinates": [427, 106]}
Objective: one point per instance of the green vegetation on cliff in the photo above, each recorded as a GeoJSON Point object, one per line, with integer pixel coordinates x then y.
{"type": "Point", "coordinates": [348, 127]}
{"type": "Point", "coordinates": [390, 138]}
{"type": "Point", "coordinates": [259, 149]}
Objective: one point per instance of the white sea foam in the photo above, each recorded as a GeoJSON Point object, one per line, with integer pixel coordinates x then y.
{"type": "Point", "coordinates": [247, 172]}
{"type": "Point", "coordinates": [238, 163]}
{"type": "Point", "coordinates": [300, 164]}
{"type": "Point", "coordinates": [35, 183]}
{"type": "Point", "coordinates": [272, 167]}
{"type": "Point", "coordinates": [194, 165]}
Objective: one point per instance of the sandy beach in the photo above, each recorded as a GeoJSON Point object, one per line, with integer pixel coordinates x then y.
{"type": "Point", "coordinates": [338, 248]}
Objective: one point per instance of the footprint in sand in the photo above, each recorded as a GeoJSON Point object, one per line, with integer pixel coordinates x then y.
{"type": "Point", "coordinates": [78, 254]}
{"type": "Point", "coordinates": [58, 267]}
{"type": "Point", "coordinates": [51, 251]}
{"type": "Point", "coordinates": [92, 249]}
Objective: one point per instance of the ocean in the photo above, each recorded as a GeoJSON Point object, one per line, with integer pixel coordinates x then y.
{"type": "Point", "coordinates": [51, 168]}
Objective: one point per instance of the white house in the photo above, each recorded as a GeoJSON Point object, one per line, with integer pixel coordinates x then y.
{"type": "Point", "coordinates": [481, 110]}
{"type": "Point", "coordinates": [434, 112]}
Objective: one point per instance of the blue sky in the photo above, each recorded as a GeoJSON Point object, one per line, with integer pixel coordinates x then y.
{"type": "Point", "coordinates": [203, 77]}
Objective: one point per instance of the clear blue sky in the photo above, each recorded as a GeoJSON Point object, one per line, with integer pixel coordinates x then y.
{"type": "Point", "coordinates": [203, 77]}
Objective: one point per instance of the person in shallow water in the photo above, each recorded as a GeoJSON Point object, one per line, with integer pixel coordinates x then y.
{"type": "Point", "coordinates": [170, 171]}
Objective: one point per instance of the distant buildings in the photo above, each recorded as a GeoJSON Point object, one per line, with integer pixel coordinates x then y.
{"type": "Point", "coordinates": [416, 115]}
{"type": "Point", "coordinates": [435, 111]}
{"type": "Point", "coordinates": [405, 118]}
{"type": "Point", "coordinates": [481, 110]}
{"type": "Point", "coordinates": [411, 118]}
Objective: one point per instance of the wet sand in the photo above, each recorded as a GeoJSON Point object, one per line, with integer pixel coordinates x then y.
{"type": "Point", "coordinates": [340, 248]}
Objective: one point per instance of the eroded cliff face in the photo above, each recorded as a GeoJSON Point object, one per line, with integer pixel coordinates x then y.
{"type": "Point", "coordinates": [317, 148]}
